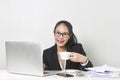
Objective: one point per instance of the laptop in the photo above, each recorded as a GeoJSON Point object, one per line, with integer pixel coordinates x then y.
{"type": "Point", "coordinates": [25, 58]}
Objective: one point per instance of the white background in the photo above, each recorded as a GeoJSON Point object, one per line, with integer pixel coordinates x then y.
{"type": "Point", "coordinates": [96, 24]}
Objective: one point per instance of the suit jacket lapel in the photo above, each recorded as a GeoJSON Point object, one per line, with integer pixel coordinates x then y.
{"type": "Point", "coordinates": [55, 57]}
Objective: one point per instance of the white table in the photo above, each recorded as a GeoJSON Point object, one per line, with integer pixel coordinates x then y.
{"type": "Point", "coordinates": [4, 75]}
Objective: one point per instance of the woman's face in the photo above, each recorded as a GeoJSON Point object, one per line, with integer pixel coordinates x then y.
{"type": "Point", "coordinates": [61, 35]}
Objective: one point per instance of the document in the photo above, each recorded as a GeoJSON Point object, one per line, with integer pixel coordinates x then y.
{"type": "Point", "coordinates": [104, 68]}
{"type": "Point", "coordinates": [104, 71]}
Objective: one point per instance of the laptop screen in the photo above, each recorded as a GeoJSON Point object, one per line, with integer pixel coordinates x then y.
{"type": "Point", "coordinates": [24, 58]}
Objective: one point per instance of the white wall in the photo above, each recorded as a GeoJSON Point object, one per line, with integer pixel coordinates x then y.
{"type": "Point", "coordinates": [96, 24]}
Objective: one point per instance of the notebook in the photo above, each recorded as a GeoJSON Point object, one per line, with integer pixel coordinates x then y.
{"type": "Point", "coordinates": [25, 58]}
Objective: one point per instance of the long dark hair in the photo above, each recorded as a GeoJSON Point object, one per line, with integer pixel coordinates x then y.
{"type": "Point", "coordinates": [73, 39]}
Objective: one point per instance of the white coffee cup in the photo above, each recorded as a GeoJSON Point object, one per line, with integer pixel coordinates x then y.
{"type": "Point", "coordinates": [64, 55]}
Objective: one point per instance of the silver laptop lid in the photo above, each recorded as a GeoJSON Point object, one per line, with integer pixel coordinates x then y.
{"type": "Point", "coordinates": [24, 58]}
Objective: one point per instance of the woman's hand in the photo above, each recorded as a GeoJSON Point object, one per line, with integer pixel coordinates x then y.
{"type": "Point", "coordinates": [44, 66]}
{"type": "Point", "coordinates": [76, 57]}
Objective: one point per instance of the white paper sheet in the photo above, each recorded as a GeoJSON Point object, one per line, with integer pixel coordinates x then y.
{"type": "Point", "coordinates": [104, 68]}
{"type": "Point", "coordinates": [104, 71]}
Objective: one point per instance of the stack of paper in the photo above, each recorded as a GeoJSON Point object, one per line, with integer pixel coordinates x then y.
{"type": "Point", "coordinates": [104, 71]}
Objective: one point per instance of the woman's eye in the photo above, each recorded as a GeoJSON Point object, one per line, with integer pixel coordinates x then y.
{"type": "Point", "coordinates": [58, 33]}
{"type": "Point", "coordinates": [65, 33]}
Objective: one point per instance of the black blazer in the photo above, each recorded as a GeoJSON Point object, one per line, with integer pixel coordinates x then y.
{"type": "Point", "coordinates": [50, 59]}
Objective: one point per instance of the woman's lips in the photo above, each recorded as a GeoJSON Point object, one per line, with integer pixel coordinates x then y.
{"type": "Point", "coordinates": [60, 42]}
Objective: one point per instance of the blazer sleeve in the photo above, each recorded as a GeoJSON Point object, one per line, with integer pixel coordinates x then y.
{"type": "Point", "coordinates": [45, 61]}
{"type": "Point", "coordinates": [79, 49]}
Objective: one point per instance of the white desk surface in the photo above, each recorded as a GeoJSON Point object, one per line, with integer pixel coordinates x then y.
{"type": "Point", "coordinates": [4, 75]}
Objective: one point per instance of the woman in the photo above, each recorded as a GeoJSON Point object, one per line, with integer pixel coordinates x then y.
{"type": "Point", "coordinates": [65, 41]}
